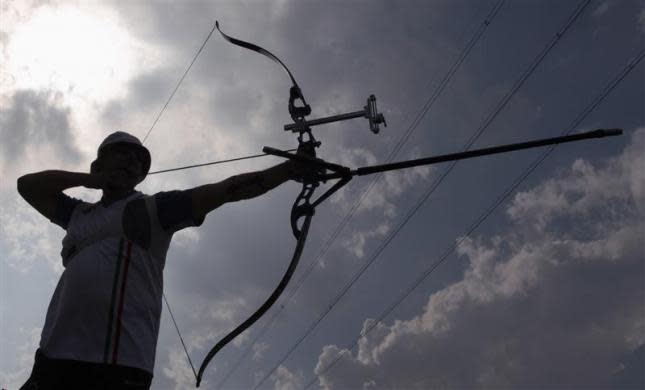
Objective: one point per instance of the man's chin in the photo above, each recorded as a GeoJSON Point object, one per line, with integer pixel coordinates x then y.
{"type": "Point", "coordinates": [124, 184]}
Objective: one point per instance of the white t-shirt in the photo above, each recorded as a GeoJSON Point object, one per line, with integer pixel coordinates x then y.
{"type": "Point", "coordinates": [107, 304]}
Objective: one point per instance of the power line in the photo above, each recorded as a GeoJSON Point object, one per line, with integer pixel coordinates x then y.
{"type": "Point", "coordinates": [505, 194]}
{"type": "Point", "coordinates": [178, 84]}
{"type": "Point", "coordinates": [413, 125]}
{"type": "Point", "coordinates": [504, 101]}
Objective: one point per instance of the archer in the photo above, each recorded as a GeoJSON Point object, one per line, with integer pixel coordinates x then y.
{"type": "Point", "coordinates": [102, 323]}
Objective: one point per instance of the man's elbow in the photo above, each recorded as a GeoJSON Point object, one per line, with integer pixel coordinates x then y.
{"type": "Point", "coordinates": [25, 185]}
{"type": "Point", "coordinates": [22, 184]}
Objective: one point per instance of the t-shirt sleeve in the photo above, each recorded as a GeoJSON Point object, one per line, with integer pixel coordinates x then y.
{"type": "Point", "coordinates": [175, 210]}
{"type": "Point", "coordinates": [65, 206]}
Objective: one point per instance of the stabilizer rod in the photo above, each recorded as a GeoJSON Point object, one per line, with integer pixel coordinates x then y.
{"type": "Point", "coordinates": [600, 133]}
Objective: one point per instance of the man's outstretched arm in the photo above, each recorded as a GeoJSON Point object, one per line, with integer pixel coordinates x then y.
{"type": "Point", "coordinates": [41, 189]}
{"type": "Point", "coordinates": [245, 186]}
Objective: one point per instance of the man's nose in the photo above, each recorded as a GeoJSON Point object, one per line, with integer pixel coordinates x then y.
{"type": "Point", "coordinates": [127, 154]}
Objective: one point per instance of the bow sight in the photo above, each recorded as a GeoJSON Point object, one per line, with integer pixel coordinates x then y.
{"type": "Point", "coordinates": [369, 111]}
{"type": "Point", "coordinates": [303, 205]}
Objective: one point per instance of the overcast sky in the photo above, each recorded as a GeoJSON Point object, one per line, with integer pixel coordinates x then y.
{"type": "Point", "coordinates": [547, 292]}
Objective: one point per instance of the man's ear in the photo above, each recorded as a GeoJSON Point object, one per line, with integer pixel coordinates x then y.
{"type": "Point", "coordinates": [96, 166]}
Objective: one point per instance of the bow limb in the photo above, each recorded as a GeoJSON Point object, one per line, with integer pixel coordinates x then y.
{"type": "Point", "coordinates": [297, 112]}
{"type": "Point", "coordinates": [302, 208]}
{"type": "Point", "coordinates": [258, 49]}
{"type": "Point", "coordinates": [265, 306]}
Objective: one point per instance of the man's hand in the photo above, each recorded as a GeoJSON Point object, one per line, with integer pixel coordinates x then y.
{"type": "Point", "coordinates": [300, 170]}
{"type": "Point", "coordinates": [105, 180]}
{"type": "Point", "coordinates": [96, 181]}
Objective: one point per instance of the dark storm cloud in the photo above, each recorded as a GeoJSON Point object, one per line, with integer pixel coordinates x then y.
{"type": "Point", "coordinates": [339, 52]}
{"type": "Point", "coordinates": [146, 92]}
{"type": "Point", "coordinates": [36, 118]}
{"type": "Point", "coordinates": [538, 307]}
{"type": "Point", "coordinates": [331, 56]}
{"type": "Point", "coordinates": [222, 87]}
{"type": "Point", "coordinates": [630, 374]}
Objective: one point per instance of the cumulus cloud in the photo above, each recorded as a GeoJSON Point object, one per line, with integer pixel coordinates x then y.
{"type": "Point", "coordinates": [210, 321]}
{"type": "Point", "coordinates": [380, 197]}
{"type": "Point", "coordinates": [27, 237]}
{"type": "Point", "coordinates": [35, 119]}
{"type": "Point", "coordinates": [601, 9]}
{"type": "Point", "coordinates": [215, 319]}
{"type": "Point", "coordinates": [258, 350]}
{"type": "Point", "coordinates": [356, 243]}
{"type": "Point", "coordinates": [536, 308]}
{"type": "Point", "coordinates": [610, 192]}
{"type": "Point", "coordinates": [286, 380]}
{"type": "Point", "coordinates": [24, 360]}
{"type": "Point", "coordinates": [178, 371]}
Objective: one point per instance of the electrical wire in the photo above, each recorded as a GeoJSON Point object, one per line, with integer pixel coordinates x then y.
{"type": "Point", "coordinates": [413, 125]}
{"type": "Point", "coordinates": [503, 102]}
{"type": "Point", "coordinates": [500, 199]}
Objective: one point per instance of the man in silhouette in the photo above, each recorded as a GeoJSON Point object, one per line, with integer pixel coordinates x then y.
{"type": "Point", "coordinates": [102, 323]}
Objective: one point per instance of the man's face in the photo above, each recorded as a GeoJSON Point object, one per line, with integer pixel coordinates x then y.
{"type": "Point", "coordinates": [122, 165]}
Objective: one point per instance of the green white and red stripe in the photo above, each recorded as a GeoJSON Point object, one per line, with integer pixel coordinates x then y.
{"type": "Point", "coordinates": [117, 302]}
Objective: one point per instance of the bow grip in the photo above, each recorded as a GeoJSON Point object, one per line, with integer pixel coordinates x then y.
{"type": "Point", "coordinates": [298, 212]}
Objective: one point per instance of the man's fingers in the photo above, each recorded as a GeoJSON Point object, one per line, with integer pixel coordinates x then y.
{"type": "Point", "coordinates": [307, 149]}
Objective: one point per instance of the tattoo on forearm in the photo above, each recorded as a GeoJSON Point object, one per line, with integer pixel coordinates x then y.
{"type": "Point", "coordinates": [245, 184]}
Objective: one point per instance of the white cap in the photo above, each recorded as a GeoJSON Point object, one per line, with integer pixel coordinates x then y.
{"type": "Point", "coordinates": [121, 137]}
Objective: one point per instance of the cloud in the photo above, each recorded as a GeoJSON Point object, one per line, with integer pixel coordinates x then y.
{"type": "Point", "coordinates": [380, 200]}
{"type": "Point", "coordinates": [24, 360]}
{"type": "Point", "coordinates": [610, 192]}
{"type": "Point", "coordinates": [35, 120]}
{"type": "Point", "coordinates": [145, 93]}
{"type": "Point", "coordinates": [601, 9]}
{"type": "Point", "coordinates": [356, 243]}
{"type": "Point", "coordinates": [389, 186]}
{"type": "Point", "coordinates": [286, 380]}
{"type": "Point", "coordinates": [209, 322]}
{"type": "Point", "coordinates": [258, 350]}
{"type": "Point", "coordinates": [532, 301]}
{"type": "Point", "coordinates": [215, 319]}
{"type": "Point", "coordinates": [233, 102]}
{"type": "Point", "coordinates": [28, 237]}
{"type": "Point", "coordinates": [630, 371]}
{"type": "Point", "coordinates": [178, 370]}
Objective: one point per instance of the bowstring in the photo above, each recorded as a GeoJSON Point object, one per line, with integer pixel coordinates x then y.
{"type": "Point", "coordinates": [183, 344]}
{"type": "Point", "coordinates": [163, 109]}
